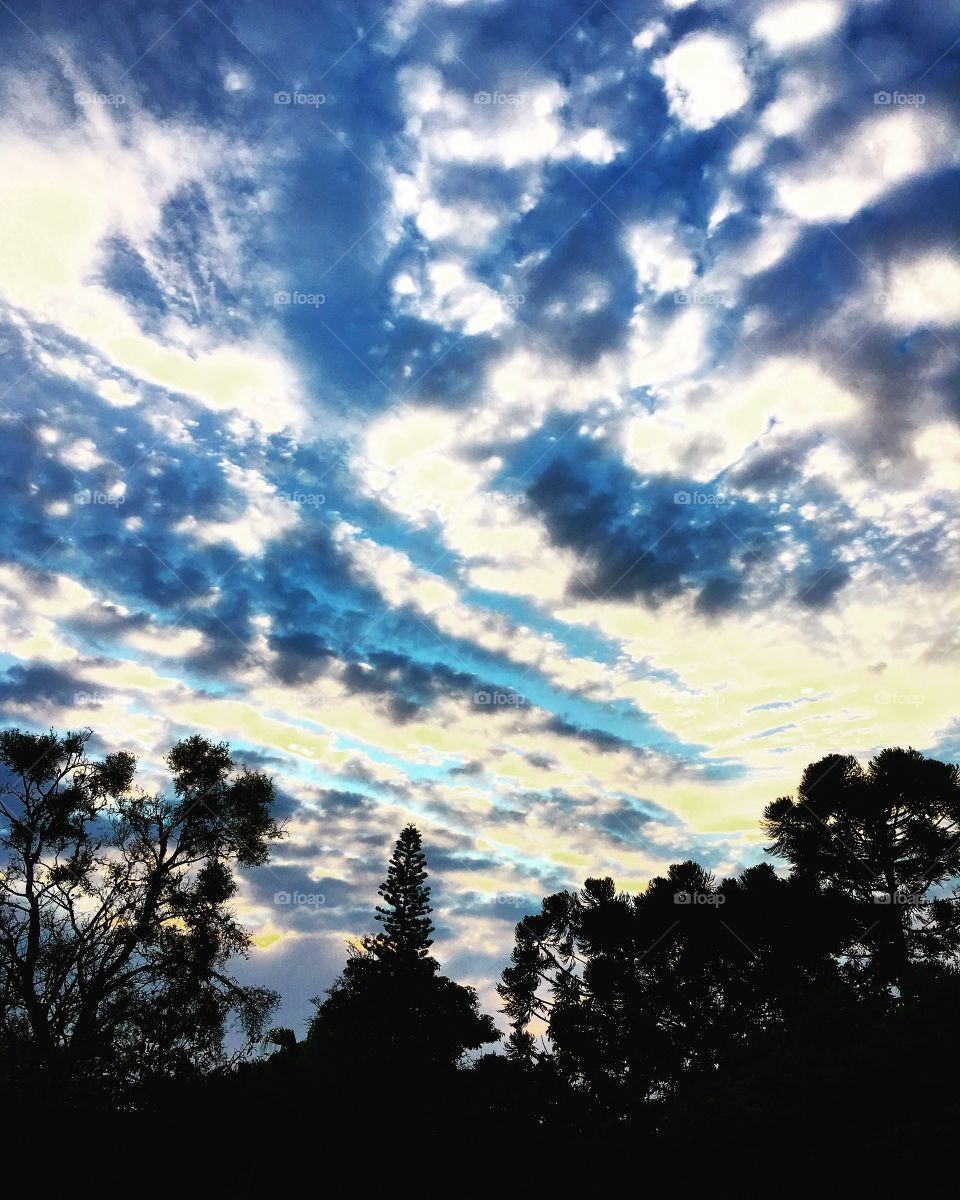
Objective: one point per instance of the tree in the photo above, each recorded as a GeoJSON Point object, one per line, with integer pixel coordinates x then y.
{"type": "Point", "coordinates": [391, 1013]}
{"type": "Point", "coordinates": [884, 838]}
{"type": "Point", "coordinates": [406, 920]}
{"type": "Point", "coordinates": [115, 929]}
{"type": "Point", "coordinates": [638, 992]}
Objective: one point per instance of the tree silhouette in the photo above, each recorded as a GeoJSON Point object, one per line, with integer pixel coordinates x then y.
{"type": "Point", "coordinates": [884, 837]}
{"type": "Point", "coordinates": [391, 1011]}
{"type": "Point", "coordinates": [115, 929]}
{"type": "Point", "coordinates": [697, 1009]}
{"type": "Point", "coordinates": [637, 992]}
{"type": "Point", "coordinates": [406, 919]}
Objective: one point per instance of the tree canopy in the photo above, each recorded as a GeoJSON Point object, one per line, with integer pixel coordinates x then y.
{"type": "Point", "coordinates": [115, 927]}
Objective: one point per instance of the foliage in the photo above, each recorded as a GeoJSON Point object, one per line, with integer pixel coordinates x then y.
{"type": "Point", "coordinates": [115, 926]}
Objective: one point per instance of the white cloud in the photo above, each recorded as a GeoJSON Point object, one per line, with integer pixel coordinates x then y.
{"type": "Point", "coordinates": [82, 455]}
{"type": "Point", "coordinates": [66, 194]}
{"type": "Point", "coordinates": [236, 80]}
{"type": "Point", "coordinates": [700, 437]}
{"type": "Point", "coordinates": [924, 292]}
{"type": "Point", "coordinates": [800, 96]}
{"type": "Point", "coordinates": [883, 151]}
{"type": "Point", "coordinates": [116, 395]}
{"type": "Point", "coordinates": [798, 22]}
{"type": "Point", "coordinates": [649, 34]}
{"type": "Point", "coordinates": [266, 515]}
{"type": "Point", "coordinates": [659, 257]}
{"type": "Point", "coordinates": [451, 297]}
{"type": "Point", "coordinates": [703, 79]}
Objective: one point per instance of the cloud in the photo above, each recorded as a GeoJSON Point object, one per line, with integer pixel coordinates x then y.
{"type": "Point", "coordinates": [798, 22]}
{"type": "Point", "coordinates": [67, 196]}
{"type": "Point", "coordinates": [923, 292]}
{"type": "Point", "coordinates": [265, 516]}
{"type": "Point", "coordinates": [879, 153]}
{"type": "Point", "coordinates": [703, 79]}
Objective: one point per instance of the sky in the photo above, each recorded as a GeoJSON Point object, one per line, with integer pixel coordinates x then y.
{"type": "Point", "coordinates": [538, 421]}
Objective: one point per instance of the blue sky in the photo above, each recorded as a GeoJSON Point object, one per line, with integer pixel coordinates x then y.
{"type": "Point", "coordinates": [538, 421]}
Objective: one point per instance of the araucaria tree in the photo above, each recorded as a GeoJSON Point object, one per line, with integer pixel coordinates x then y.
{"type": "Point", "coordinates": [115, 930]}
{"type": "Point", "coordinates": [884, 837]}
{"type": "Point", "coordinates": [406, 919]}
{"type": "Point", "coordinates": [391, 1011]}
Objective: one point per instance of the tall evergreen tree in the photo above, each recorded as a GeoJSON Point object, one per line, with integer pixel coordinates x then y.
{"type": "Point", "coordinates": [406, 921]}
{"type": "Point", "coordinates": [391, 1009]}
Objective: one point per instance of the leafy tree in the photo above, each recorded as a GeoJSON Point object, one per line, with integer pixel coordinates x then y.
{"type": "Point", "coordinates": [884, 837]}
{"type": "Point", "coordinates": [635, 992]}
{"type": "Point", "coordinates": [115, 927]}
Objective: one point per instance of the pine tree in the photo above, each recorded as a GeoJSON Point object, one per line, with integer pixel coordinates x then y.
{"type": "Point", "coordinates": [391, 1013]}
{"type": "Point", "coordinates": [406, 921]}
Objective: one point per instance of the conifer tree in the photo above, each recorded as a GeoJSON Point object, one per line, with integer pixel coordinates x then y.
{"type": "Point", "coordinates": [391, 1011]}
{"type": "Point", "coordinates": [406, 919]}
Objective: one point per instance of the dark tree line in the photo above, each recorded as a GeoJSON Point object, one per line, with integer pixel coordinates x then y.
{"type": "Point", "coordinates": [819, 1003]}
